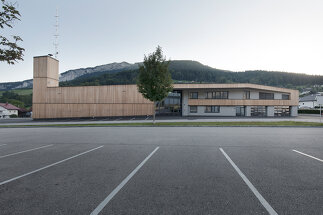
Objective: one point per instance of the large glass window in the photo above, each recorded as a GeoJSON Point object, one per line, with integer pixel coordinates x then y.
{"type": "Point", "coordinates": [246, 95]}
{"type": "Point", "coordinates": [193, 109]}
{"type": "Point", "coordinates": [194, 95]}
{"type": "Point", "coordinates": [217, 95]}
{"type": "Point", "coordinates": [282, 111]}
{"type": "Point", "coordinates": [267, 96]}
{"type": "Point", "coordinates": [258, 111]}
{"type": "Point", "coordinates": [212, 109]}
{"type": "Point", "coordinates": [171, 105]}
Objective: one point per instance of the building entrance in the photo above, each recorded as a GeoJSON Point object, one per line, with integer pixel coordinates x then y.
{"type": "Point", "coordinates": [240, 111]}
{"type": "Point", "coordinates": [171, 105]}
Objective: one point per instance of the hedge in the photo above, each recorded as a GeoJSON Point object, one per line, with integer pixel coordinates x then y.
{"type": "Point", "coordinates": [310, 111]}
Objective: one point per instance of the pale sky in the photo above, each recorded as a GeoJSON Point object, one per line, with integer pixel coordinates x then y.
{"type": "Point", "coordinates": [237, 35]}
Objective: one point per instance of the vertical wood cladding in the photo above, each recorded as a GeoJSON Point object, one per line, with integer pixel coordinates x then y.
{"type": "Point", "coordinates": [52, 101]}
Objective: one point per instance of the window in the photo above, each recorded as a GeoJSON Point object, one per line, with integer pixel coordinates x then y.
{"type": "Point", "coordinates": [194, 95]}
{"type": "Point", "coordinates": [217, 95]}
{"type": "Point", "coordinates": [209, 95]}
{"type": "Point", "coordinates": [285, 96]}
{"type": "Point", "coordinates": [193, 109]}
{"type": "Point", "coordinates": [246, 95]}
{"type": "Point", "coordinates": [267, 96]}
{"type": "Point", "coordinates": [212, 109]}
{"type": "Point", "coordinates": [240, 111]}
{"type": "Point", "coordinates": [224, 95]}
{"type": "Point", "coordinates": [258, 111]}
{"type": "Point", "coordinates": [282, 111]}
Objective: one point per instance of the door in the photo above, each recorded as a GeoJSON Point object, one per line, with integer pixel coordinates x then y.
{"type": "Point", "coordinates": [240, 111]}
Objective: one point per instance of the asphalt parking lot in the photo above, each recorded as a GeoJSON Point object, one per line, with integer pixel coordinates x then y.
{"type": "Point", "coordinates": [167, 170]}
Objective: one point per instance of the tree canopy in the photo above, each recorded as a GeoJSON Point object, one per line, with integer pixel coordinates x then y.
{"type": "Point", "coordinates": [154, 80]}
{"type": "Point", "coordinates": [10, 52]}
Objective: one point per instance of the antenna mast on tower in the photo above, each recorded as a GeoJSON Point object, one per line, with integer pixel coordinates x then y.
{"type": "Point", "coordinates": [56, 35]}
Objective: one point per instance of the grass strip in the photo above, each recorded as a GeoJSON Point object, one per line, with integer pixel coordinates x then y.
{"type": "Point", "coordinates": [180, 124]}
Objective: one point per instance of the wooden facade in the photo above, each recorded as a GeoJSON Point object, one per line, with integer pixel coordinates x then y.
{"type": "Point", "coordinates": [52, 101]}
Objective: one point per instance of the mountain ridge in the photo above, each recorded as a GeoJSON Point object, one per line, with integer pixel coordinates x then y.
{"type": "Point", "coordinates": [181, 70]}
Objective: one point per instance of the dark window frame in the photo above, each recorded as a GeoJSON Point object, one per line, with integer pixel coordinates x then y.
{"type": "Point", "coordinates": [286, 98]}
{"type": "Point", "coordinates": [281, 111]}
{"type": "Point", "coordinates": [261, 111]}
{"type": "Point", "coordinates": [266, 96]}
{"type": "Point", "coordinates": [193, 97]}
{"type": "Point", "coordinates": [193, 106]}
{"type": "Point", "coordinates": [213, 109]}
{"type": "Point", "coordinates": [246, 94]}
{"type": "Point", "coordinates": [217, 94]}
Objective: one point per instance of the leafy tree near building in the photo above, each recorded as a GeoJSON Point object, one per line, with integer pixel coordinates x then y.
{"type": "Point", "coordinates": [154, 80]}
{"type": "Point", "coordinates": [10, 52]}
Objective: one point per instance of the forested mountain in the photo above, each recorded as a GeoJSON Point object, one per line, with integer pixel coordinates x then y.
{"type": "Point", "coordinates": [184, 71]}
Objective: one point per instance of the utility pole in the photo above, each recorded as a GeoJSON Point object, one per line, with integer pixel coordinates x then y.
{"type": "Point", "coordinates": [320, 113]}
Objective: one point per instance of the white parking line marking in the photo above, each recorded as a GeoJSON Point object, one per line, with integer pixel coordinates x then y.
{"type": "Point", "coordinates": [262, 200]}
{"type": "Point", "coordinates": [302, 153]}
{"type": "Point", "coordinates": [3, 144]}
{"type": "Point", "coordinates": [16, 153]}
{"type": "Point", "coordinates": [98, 209]}
{"type": "Point", "coordinates": [50, 165]}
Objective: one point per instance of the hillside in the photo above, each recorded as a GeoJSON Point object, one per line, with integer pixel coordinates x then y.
{"type": "Point", "coordinates": [184, 71]}
{"type": "Point", "coordinates": [74, 73]}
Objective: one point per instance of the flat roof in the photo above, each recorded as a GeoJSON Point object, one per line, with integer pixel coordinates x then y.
{"type": "Point", "coordinates": [232, 86]}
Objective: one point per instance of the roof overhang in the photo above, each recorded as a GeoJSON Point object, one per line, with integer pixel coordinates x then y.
{"type": "Point", "coordinates": [232, 86]}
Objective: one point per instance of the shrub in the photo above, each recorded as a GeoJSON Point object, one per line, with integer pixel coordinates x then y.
{"type": "Point", "coordinates": [309, 111]}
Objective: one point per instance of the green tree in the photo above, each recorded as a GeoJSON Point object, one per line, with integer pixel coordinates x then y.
{"type": "Point", "coordinates": [10, 52]}
{"type": "Point", "coordinates": [154, 80]}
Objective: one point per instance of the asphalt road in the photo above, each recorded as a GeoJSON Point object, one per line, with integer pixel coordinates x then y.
{"type": "Point", "coordinates": [168, 170]}
{"type": "Point", "coordinates": [139, 119]}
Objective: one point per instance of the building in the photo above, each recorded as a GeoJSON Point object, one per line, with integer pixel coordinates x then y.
{"type": "Point", "coordinates": [7, 109]}
{"type": "Point", "coordinates": [308, 102]}
{"type": "Point", "coordinates": [52, 101]}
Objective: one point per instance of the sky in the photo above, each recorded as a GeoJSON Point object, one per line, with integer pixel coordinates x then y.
{"type": "Point", "coordinates": [236, 35]}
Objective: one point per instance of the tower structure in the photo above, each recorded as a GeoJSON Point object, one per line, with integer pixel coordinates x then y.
{"type": "Point", "coordinates": [56, 35]}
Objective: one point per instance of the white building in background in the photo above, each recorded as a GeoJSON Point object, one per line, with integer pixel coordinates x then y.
{"type": "Point", "coordinates": [309, 101]}
{"type": "Point", "coordinates": [7, 109]}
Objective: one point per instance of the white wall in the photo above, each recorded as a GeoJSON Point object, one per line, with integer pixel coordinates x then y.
{"type": "Point", "coordinates": [254, 94]}
{"type": "Point", "coordinates": [185, 108]}
{"type": "Point", "coordinates": [236, 94]}
{"type": "Point", "coordinates": [4, 113]}
{"type": "Point", "coordinates": [278, 95]}
{"type": "Point", "coordinates": [270, 111]}
{"type": "Point", "coordinates": [293, 111]}
{"type": "Point", "coordinates": [248, 111]}
{"type": "Point", "coordinates": [309, 104]}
